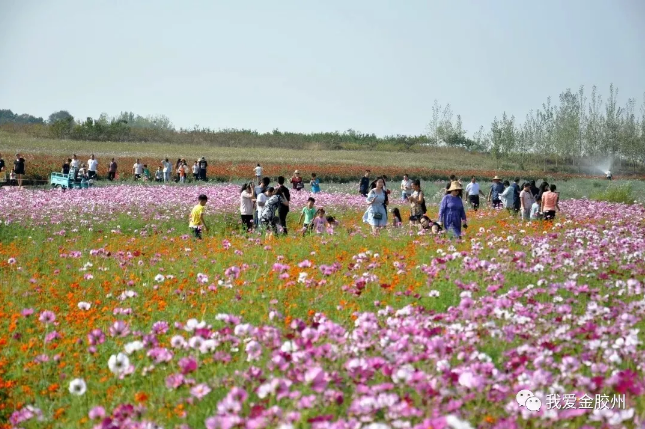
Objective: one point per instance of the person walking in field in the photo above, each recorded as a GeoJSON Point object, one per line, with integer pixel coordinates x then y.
{"type": "Point", "coordinates": [315, 184]}
{"type": "Point", "coordinates": [417, 202]}
{"type": "Point", "coordinates": [137, 169]}
{"type": "Point", "coordinates": [364, 184]}
{"type": "Point", "coordinates": [319, 222]}
{"type": "Point", "coordinates": [550, 200]}
{"type": "Point", "coordinates": [296, 181]}
{"type": "Point", "coordinates": [197, 223]}
{"type": "Point", "coordinates": [516, 194]}
{"type": "Point", "coordinates": [308, 213]}
{"type": "Point", "coordinates": [112, 170]}
{"type": "Point", "coordinates": [376, 213]}
{"type": "Point", "coordinates": [159, 174]}
{"type": "Point", "coordinates": [196, 171]}
{"type": "Point", "coordinates": [177, 167]}
{"type": "Point", "coordinates": [92, 167]}
{"type": "Point", "coordinates": [276, 199]}
{"type": "Point", "coordinates": [283, 208]}
{"type": "Point", "coordinates": [526, 202]}
{"type": "Point", "coordinates": [452, 215]}
{"type": "Point", "coordinates": [406, 187]}
{"type": "Point", "coordinates": [19, 168]}
{"type": "Point", "coordinates": [258, 174]}
{"type": "Point", "coordinates": [2, 164]}
{"type": "Point", "coordinates": [247, 198]}
{"type": "Point", "coordinates": [183, 169]}
{"type": "Point", "coordinates": [508, 196]}
{"type": "Point", "coordinates": [473, 192]}
{"type": "Point", "coordinates": [260, 199]}
{"type": "Point", "coordinates": [495, 191]}
{"type": "Point", "coordinates": [167, 170]}
{"type": "Point", "coordinates": [203, 165]}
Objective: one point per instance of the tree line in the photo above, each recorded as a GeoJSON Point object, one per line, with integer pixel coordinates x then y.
{"type": "Point", "coordinates": [579, 131]}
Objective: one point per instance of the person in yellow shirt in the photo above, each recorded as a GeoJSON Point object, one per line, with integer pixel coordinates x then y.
{"type": "Point", "coordinates": [197, 217]}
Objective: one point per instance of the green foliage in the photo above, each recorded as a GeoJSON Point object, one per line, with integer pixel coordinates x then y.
{"type": "Point", "coordinates": [8, 117]}
{"type": "Point", "coordinates": [61, 115]}
{"type": "Point", "coordinates": [616, 194]}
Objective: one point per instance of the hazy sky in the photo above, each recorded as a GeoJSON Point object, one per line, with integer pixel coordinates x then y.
{"type": "Point", "coordinates": [374, 66]}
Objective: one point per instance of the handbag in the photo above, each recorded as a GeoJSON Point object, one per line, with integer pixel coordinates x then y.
{"type": "Point", "coordinates": [377, 215]}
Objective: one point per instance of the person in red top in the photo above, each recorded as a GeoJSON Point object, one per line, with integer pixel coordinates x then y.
{"type": "Point", "coordinates": [296, 181]}
{"type": "Point", "coordinates": [550, 203]}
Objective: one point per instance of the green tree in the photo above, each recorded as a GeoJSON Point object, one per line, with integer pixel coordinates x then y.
{"type": "Point", "coordinates": [60, 115]}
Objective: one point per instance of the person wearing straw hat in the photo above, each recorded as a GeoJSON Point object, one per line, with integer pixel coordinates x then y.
{"type": "Point", "coordinates": [451, 211]}
{"type": "Point", "coordinates": [496, 190]}
{"type": "Point", "coordinates": [296, 181]}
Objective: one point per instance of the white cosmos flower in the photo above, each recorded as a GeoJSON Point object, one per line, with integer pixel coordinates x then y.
{"type": "Point", "coordinates": [208, 346]}
{"type": "Point", "coordinates": [133, 347]}
{"type": "Point", "coordinates": [118, 364]}
{"type": "Point", "coordinates": [159, 278]}
{"type": "Point", "coordinates": [77, 387]}
{"type": "Point", "coordinates": [192, 324]}
{"type": "Point", "coordinates": [195, 342]}
{"type": "Point", "coordinates": [455, 423]}
{"type": "Point", "coordinates": [289, 347]}
{"type": "Point", "coordinates": [178, 342]}
{"type": "Point", "coordinates": [84, 305]}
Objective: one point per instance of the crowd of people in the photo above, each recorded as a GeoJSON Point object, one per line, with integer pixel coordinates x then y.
{"type": "Point", "coordinates": [528, 200]}
{"type": "Point", "coordinates": [267, 207]}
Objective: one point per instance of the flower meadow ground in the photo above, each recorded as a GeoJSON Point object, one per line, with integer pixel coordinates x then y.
{"type": "Point", "coordinates": [112, 316]}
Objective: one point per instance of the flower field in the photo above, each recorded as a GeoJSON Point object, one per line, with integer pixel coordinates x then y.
{"type": "Point", "coordinates": [112, 316]}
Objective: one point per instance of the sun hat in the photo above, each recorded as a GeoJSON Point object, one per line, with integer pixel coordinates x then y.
{"type": "Point", "coordinates": [496, 178]}
{"type": "Point", "coordinates": [296, 172]}
{"type": "Point", "coordinates": [454, 186]}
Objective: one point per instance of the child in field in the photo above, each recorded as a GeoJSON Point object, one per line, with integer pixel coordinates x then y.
{"type": "Point", "coordinates": [196, 223]}
{"type": "Point", "coordinates": [535, 211]}
{"type": "Point", "coordinates": [258, 174]}
{"type": "Point", "coordinates": [315, 183]}
{"type": "Point", "coordinates": [331, 224]}
{"type": "Point", "coordinates": [396, 215]}
{"type": "Point", "coordinates": [195, 171]}
{"type": "Point", "coordinates": [308, 212]}
{"type": "Point", "coordinates": [319, 222]}
{"type": "Point", "coordinates": [146, 173]}
{"type": "Point", "coordinates": [159, 175]}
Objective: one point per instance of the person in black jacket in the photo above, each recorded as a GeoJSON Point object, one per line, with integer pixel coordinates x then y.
{"type": "Point", "coordinates": [364, 185]}
{"type": "Point", "coordinates": [516, 191]}
{"type": "Point", "coordinates": [283, 210]}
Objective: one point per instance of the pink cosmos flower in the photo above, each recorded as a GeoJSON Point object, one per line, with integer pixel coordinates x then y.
{"type": "Point", "coordinates": [47, 317]}
{"type": "Point", "coordinates": [200, 391]}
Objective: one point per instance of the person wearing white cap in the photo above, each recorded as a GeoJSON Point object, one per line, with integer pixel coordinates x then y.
{"type": "Point", "coordinates": [451, 211]}
{"type": "Point", "coordinates": [296, 181]}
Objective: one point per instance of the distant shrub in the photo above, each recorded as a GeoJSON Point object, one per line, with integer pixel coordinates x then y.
{"type": "Point", "coordinates": [597, 185]}
{"type": "Point", "coordinates": [616, 194]}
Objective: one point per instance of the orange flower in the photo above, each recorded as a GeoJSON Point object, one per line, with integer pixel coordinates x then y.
{"type": "Point", "coordinates": [140, 397]}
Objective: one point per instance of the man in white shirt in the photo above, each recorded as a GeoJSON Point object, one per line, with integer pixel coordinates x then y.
{"type": "Point", "coordinates": [92, 166]}
{"type": "Point", "coordinates": [473, 191]}
{"type": "Point", "coordinates": [74, 166]}
{"type": "Point", "coordinates": [137, 169]}
{"type": "Point", "coordinates": [406, 187]}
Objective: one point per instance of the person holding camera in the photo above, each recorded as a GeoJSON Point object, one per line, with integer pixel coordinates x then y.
{"type": "Point", "coordinates": [452, 215]}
